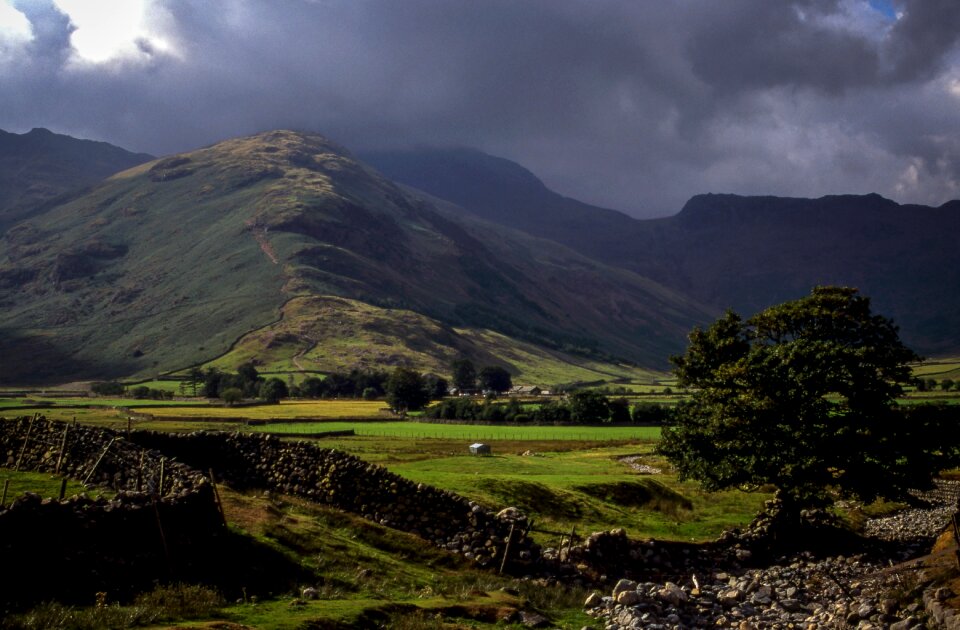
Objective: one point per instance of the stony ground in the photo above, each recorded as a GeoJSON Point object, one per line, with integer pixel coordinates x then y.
{"type": "Point", "coordinates": [797, 591]}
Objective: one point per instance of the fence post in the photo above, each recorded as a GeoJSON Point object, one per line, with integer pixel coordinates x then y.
{"type": "Point", "coordinates": [100, 459]}
{"type": "Point", "coordinates": [63, 488]}
{"type": "Point", "coordinates": [63, 446]}
{"type": "Point", "coordinates": [26, 439]}
{"type": "Point", "coordinates": [6, 486]}
{"type": "Point", "coordinates": [216, 497]}
{"type": "Point", "coordinates": [140, 473]}
{"type": "Point", "coordinates": [160, 486]}
{"type": "Point", "coordinates": [506, 549]}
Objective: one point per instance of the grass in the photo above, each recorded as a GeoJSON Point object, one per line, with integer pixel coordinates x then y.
{"type": "Point", "coordinates": [469, 432]}
{"type": "Point", "coordinates": [944, 367]}
{"type": "Point", "coordinates": [588, 488]}
{"type": "Point", "coordinates": [286, 410]}
{"type": "Point", "coordinates": [368, 575]}
{"type": "Point", "coordinates": [45, 402]}
{"type": "Point", "coordinates": [44, 484]}
{"type": "Point", "coordinates": [177, 601]}
{"type": "Point", "coordinates": [325, 333]}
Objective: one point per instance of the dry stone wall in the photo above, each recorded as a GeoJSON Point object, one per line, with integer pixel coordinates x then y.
{"type": "Point", "coordinates": [346, 482]}
{"type": "Point", "coordinates": [163, 521]}
{"type": "Point", "coordinates": [74, 548]}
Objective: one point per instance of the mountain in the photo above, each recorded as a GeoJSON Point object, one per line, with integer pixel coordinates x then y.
{"type": "Point", "coordinates": [172, 262]}
{"type": "Point", "coordinates": [39, 166]}
{"type": "Point", "coordinates": [729, 251]}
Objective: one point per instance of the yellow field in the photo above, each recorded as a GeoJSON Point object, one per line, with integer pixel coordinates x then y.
{"type": "Point", "coordinates": [286, 410]}
{"type": "Point", "coordinates": [944, 367]}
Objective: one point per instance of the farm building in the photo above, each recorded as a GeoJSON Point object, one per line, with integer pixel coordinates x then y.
{"type": "Point", "coordinates": [479, 449]}
{"type": "Point", "coordinates": [525, 390]}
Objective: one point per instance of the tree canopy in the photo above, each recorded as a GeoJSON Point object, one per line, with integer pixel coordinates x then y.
{"type": "Point", "coordinates": [495, 379]}
{"type": "Point", "coordinates": [464, 375]}
{"type": "Point", "coordinates": [802, 396]}
{"type": "Point", "coordinates": [406, 390]}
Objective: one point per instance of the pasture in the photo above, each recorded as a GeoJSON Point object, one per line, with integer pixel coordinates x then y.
{"type": "Point", "coordinates": [468, 432]}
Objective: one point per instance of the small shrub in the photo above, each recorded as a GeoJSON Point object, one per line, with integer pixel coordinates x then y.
{"type": "Point", "coordinates": [231, 395]}
{"type": "Point", "coordinates": [107, 388]}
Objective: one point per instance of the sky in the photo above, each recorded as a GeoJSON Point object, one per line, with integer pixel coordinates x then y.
{"type": "Point", "coordinates": [629, 104]}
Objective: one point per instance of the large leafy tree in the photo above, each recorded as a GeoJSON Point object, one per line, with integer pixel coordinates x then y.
{"type": "Point", "coordinates": [406, 391]}
{"type": "Point", "coordinates": [464, 375]}
{"type": "Point", "coordinates": [495, 379]}
{"type": "Point", "coordinates": [802, 396]}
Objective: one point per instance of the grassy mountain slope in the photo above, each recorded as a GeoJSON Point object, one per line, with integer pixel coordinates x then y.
{"type": "Point", "coordinates": [325, 333]}
{"type": "Point", "coordinates": [40, 166]}
{"type": "Point", "coordinates": [730, 251]}
{"type": "Point", "coordinates": [168, 263]}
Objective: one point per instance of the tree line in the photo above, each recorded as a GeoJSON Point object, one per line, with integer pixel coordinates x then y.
{"type": "Point", "coordinates": [582, 407]}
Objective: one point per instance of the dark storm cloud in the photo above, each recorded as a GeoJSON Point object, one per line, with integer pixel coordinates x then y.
{"type": "Point", "coordinates": [635, 105]}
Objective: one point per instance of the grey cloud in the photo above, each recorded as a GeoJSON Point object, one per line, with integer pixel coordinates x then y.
{"type": "Point", "coordinates": [921, 41]}
{"type": "Point", "coordinates": [625, 104]}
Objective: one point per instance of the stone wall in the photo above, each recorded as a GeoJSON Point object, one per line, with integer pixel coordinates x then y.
{"type": "Point", "coordinates": [346, 482]}
{"type": "Point", "coordinates": [164, 523]}
{"type": "Point", "coordinates": [71, 549]}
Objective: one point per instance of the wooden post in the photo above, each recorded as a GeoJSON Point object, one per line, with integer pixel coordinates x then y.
{"type": "Point", "coordinates": [216, 496]}
{"type": "Point", "coordinates": [956, 537]}
{"type": "Point", "coordinates": [506, 549]}
{"type": "Point", "coordinates": [6, 486]}
{"type": "Point", "coordinates": [573, 532]}
{"type": "Point", "coordinates": [63, 446]}
{"type": "Point", "coordinates": [160, 485]}
{"type": "Point", "coordinates": [63, 488]}
{"type": "Point", "coordinates": [128, 426]}
{"type": "Point", "coordinates": [140, 473]}
{"type": "Point", "coordinates": [100, 459]}
{"type": "Point", "coordinates": [26, 439]}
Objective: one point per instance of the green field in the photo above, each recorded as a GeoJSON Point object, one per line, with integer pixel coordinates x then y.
{"type": "Point", "coordinates": [44, 484]}
{"type": "Point", "coordinates": [468, 432]}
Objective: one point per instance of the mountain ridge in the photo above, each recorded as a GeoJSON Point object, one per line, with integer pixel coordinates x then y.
{"type": "Point", "coordinates": [40, 166]}
{"type": "Point", "coordinates": [168, 263]}
{"type": "Point", "coordinates": [733, 251]}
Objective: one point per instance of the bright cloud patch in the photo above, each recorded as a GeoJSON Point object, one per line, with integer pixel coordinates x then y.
{"type": "Point", "coordinates": [108, 29]}
{"type": "Point", "coordinates": [14, 25]}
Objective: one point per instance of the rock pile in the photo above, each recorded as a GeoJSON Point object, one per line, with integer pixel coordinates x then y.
{"type": "Point", "coordinates": [922, 523]}
{"type": "Point", "coordinates": [800, 590]}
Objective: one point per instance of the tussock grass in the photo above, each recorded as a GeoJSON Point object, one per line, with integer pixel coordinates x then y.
{"type": "Point", "coordinates": [178, 601]}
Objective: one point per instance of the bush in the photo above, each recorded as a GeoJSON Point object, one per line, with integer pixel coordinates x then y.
{"type": "Point", "coordinates": [107, 388]}
{"type": "Point", "coordinates": [654, 414]}
{"type": "Point", "coordinates": [232, 395]}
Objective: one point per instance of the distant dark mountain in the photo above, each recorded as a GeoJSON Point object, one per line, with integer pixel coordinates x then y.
{"type": "Point", "coordinates": [728, 251]}
{"type": "Point", "coordinates": [169, 263]}
{"type": "Point", "coordinates": [38, 166]}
